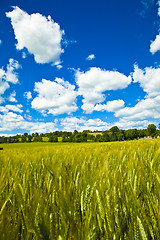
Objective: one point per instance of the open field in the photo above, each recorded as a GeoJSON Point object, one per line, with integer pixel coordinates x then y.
{"type": "Point", "coordinates": [80, 190]}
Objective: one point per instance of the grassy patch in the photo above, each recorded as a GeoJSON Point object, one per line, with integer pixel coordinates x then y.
{"type": "Point", "coordinates": [80, 191]}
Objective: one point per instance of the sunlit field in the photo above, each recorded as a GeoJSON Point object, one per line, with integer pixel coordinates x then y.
{"type": "Point", "coordinates": [80, 191]}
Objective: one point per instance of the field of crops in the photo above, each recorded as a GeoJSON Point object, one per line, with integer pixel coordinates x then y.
{"type": "Point", "coordinates": [80, 191]}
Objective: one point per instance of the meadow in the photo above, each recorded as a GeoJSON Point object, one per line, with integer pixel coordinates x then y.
{"type": "Point", "coordinates": [80, 191]}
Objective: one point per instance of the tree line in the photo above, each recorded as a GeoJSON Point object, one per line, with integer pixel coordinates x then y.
{"type": "Point", "coordinates": [113, 134]}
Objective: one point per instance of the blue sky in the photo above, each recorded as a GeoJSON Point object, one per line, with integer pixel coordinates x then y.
{"type": "Point", "coordinates": [68, 65]}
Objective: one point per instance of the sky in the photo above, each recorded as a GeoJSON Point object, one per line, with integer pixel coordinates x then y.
{"type": "Point", "coordinates": [84, 65]}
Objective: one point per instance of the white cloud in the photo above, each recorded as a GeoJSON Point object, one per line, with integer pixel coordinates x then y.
{"type": "Point", "coordinates": [28, 117]}
{"type": "Point", "coordinates": [158, 3]}
{"type": "Point", "coordinates": [90, 57]}
{"type": "Point", "coordinates": [8, 76]}
{"type": "Point", "coordinates": [155, 45]}
{"type": "Point", "coordinates": [71, 123]}
{"type": "Point", "coordinates": [149, 80]}
{"type": "Point", "coordinates": [24, 55]}
{"type": "Point", "coordinates": [59, 66]}
{"type": "Point", "coordinates": [148, 108]}
{"type": "Point", "coordinates": [80, 124]}
{"type": "Point", "coordinates": [11, 76]}
{"type": "Point", "coordinates": [12, 98]}
{"type": "Point", "coordinates": [40, 35]}
{"type": "Point", "coordinates": [0, 42]}
{"type": "Point", "coordinates": [57, 97]}
{"type": "Point", "coordinates": [14, 108]}
{"type": "Point", "coordinates": [145, 109]}
{"type": "Point", "coordinates": [126, 124]}
{"type": "Point", "coordinates": [3, 109]}
{"type": "Point", "coordinates": [3, 84]}
{"type": "Point", "coordinates": [40, 127]}
{"type": "Point", "coordinates": [11, 121]}
{"type": "Point", "coordinates": [28, 95]}
{"type": "Point", "coordinates": [93, 83]}
{"type": "Point", "coordinates": [111, 106]}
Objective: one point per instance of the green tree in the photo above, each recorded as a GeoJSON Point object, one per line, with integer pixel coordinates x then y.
{"type": "Point", "coordinates": [84, 136]}
{"type": "Point", "coordinates": [38, 139]}
{"type": "Point", "coordinates": [151, 130]}
{"type": "Point", "coordinates": [105, 136]}
{"type": "Point", "coordinates": [29, 138]}
{"type": "Point", "coordinates": [78, 137]}
{"type": "Point", "coordinates": [98, 138]}
{"type": "Point", "coordinates": [114, 129]}
{"type": "Point", "coordinates": [53, 138]}
{"type": "Point", "coordinates": [120, 136]}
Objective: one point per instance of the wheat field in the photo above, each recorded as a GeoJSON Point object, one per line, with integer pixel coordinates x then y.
{"type": "Point", "coordinates": [80, 191]}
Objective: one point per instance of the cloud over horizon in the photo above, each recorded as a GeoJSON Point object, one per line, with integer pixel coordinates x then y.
{"type": "Point", "coordinates": [93, 83]}
{"type": "Point", "coordinates": [55, 97]}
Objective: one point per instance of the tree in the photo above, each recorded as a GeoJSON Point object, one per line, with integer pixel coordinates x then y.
{"type": "Point", "coordinates": [98, 138]}
{"type": "Point", "coordinates": [78, 137]}
{"type": "Point", "coordinates": [113, 137]}
{"type": "Point", "coordinates": [151, 130]}
{"type": "Point", "coordinates": [105, 137]}
{"type": "Point", "coordinates": [90, 137]}
{"type": "Point", "coordinates": [23, 139]}
{"type": "Point", "coordinates": [38, 139]}
{"type": "Point", "coordinates": [114, 129]}
{"type": "Point", "coordinates": [84, 136]}
{"type": "Point", "coordinates": [53, 138]}
{"type": "Point", "coordinates": [141, 133]}
{"type": "Point", "coordinates": [120, 136]}
{"type": "Point", "coordinates": [29, 138]}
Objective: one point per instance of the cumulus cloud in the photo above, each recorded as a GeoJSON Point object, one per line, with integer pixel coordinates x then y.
{"type": "Point", "coordinates": [128, 124]}
{"type": "Point", "coordinates": [28, 95]}
{"type": "Point", "coordinates": [158, 3]}
{"type": "Point", "coordinates": [90, 57]}
{"type": "Point", "coordinates": [24, 55]}
{"type": "Point", "coordinates": [4, 85]}
{"type": "Point", "coordinates": [3, 109]}
{"type": "Point", "coordinates": [148, 108]}
{"type": "Point", "coordinates": [11, 121]}
{"type": "Point", "coordinates": [93, 83]}
{"type": "Point", "coordinates": [59, 66]}
{"type": "Point", "coordinates": [80, 124]}
{"type": "Point", "coordinates": [155, 45]}
{"type": "Point", "coordinates": [7, 77]}
{"type": "Point", "coordinates": [11, 76]}
{"type": "Point", "coordinates": [40, 127]}
{"type": "Point", "coordinates": [40, 35]}
{"type": "Point", "coordinates": [56, 97]}
{"type": "Point", "coordinates": [14, 108]}
{"type": "Point", "coordinates": [111, 106]}
{"type": "Point", "coordinates": [149, 80]}
{"type": "Point", "coordinates": [145, 109]}
{"type": "Point", "coordinates": [12, 96]}
{"type": "Point", "coordinates": [137, 116]}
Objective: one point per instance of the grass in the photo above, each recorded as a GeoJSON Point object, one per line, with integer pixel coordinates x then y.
{"type": "Point", "coordinates": [80, 191]}
{"type": "Point", "coordinates": [95, 133]}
